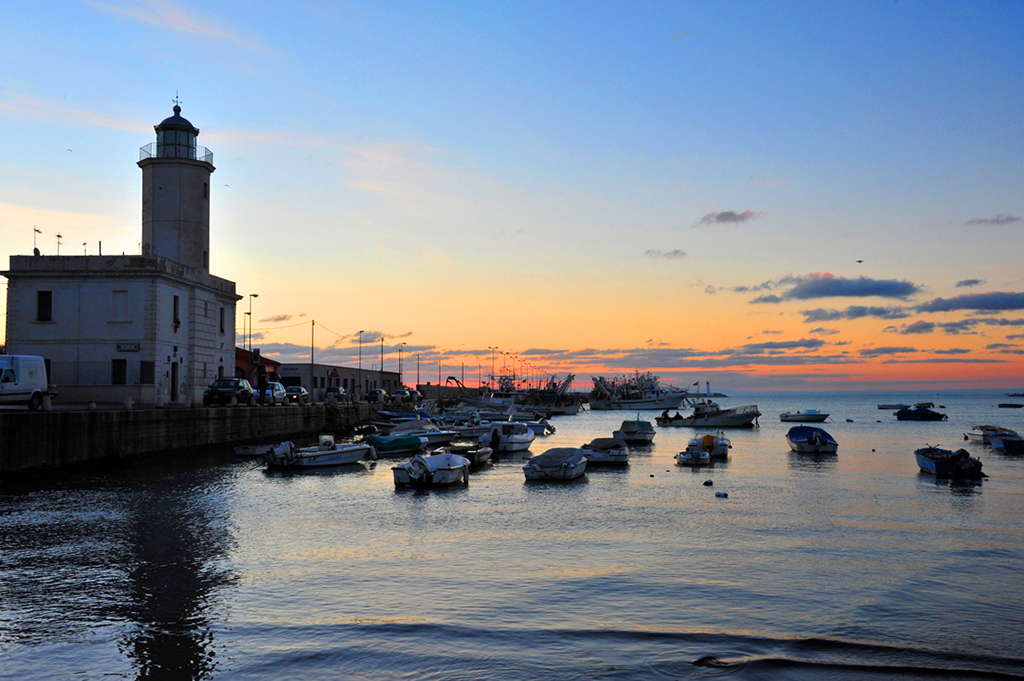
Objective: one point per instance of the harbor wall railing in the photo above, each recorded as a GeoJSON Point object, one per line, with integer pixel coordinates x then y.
{"type": "Point", "coordinates": [47, 440]}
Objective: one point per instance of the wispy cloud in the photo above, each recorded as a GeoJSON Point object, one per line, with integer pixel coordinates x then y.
{"type": "Point", "coordinates": [953, 351]}
{"type": "Point", "coordinates": [920, 326]}
{"type": "Point", "coordinates": [173, 17]}
{"type": "Point", "coordinates": [35, 108]}
{"type": "Point", "coordinates": [963, 283]}
{"type": "Point", "coordinates": [997, 219]}
{"type": "Point", "coordinates": [886, 350]}
{"type": "Point", "coordinates": [854, 312]}
{"type": "Point", "coordinates": [994, 300]}
{"type": "Point", "coordinates": [729, 217]}
{"type": "Point", "coordinates": [277, 318]}
{"type": "Point", "coordinates": [824, 331]}
{"type": "Point", "coordinates": [675, 254]}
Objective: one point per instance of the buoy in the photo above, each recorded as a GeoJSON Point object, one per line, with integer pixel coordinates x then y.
{"type": "Point", "coordinates": [708, 483]}
{"type": "Point", "coordinates": [722, 495]}
{"type": "Point", "coordinates": [652, 475]}
{"type": "Point", "coordinates": [872, 449]}
{"type": "Point", "coordinates": [849, 420]}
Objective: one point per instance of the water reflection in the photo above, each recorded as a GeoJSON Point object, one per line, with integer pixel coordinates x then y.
{"type": "Point", "coordinates": [821, 462]}
{"type": "Point", "coordinates": [178, 541]}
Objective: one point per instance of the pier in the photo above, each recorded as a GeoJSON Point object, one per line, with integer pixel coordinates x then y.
{"type": "Point", "coordinates": [49, 440]}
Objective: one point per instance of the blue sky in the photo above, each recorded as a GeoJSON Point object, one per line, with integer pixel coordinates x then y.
{"type": "Point", "coordinates": [564, 181]}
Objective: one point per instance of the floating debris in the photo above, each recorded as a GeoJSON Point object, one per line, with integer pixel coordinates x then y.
{"type": "Point", "coordinates": [722, 495]}
{"type": "Point", "coordinates": [708, 483]}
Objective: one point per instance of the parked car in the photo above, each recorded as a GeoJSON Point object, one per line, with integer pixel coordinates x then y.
{"type": "Point", "coordinates": [377, 395]}
{"type": "Point", "coordinates": [339, 393]}
{"type": "Point", "coordinates": [226, 390]}
{"type": "Point", "coordinates": [274, 393]}
{"type": "Point", "coordinates": [296, 393]}
{"type": "Point", "coordinates": [23, 380]}
{"type": "Point", "coordinates": [406, 395]}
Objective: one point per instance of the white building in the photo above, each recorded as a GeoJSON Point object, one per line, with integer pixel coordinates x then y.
{"type": "Point", "coordinates": [158, 326]}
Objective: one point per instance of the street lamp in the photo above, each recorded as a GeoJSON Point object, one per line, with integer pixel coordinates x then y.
{"type": "Point", "coordinates": [249, 335]}
{"type": "Point", "coordinates": [400, 380]}
{"type": "Point", "coordinates": [492, 363]}
{"type": "Point", "coordinates": [359, 394]}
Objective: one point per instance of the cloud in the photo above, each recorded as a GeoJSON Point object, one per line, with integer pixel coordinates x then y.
{"type": "Point", "coordinates": [669, 255]}
{"type": "Point", "coordinates": [969, 282]}
{"type": "Point", "coordinates": [710, 290]}
{"type": "Point", "coordinates": [822, 331]}
{"type": "Point", "coordinates": [169, 15]}
{"type": "Point", "coordinates": [997, 219]}
{"type": "Point", "coordinates": [821, 314]}
{"type": "Point", "coordinates": [277, 318]}
{"type": "Point", "coordinates": [1016, 336]}
{"type": "Point", "coordinates": [994, 300]}
{"type": "Point", "coordinates": [999, 346]}
{"type": "Point", "coordinates": [36, 109]}
{"type": "Point", "coordinates": [770, 298]}
{"type": "Point", "coordinates": [827, 285]}
{"type": "Point", "coordinates": [886, 350]}
{"type": "Point", "coordinates": [953, 351]}
{"type": "Point", "coordinates": [920, 326]}
{"type": "Point", "coordinates": [729, 217]}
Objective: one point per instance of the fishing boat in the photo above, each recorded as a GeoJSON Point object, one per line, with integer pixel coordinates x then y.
{"type": "Point", "coordinates": [508, 436]}
{"type": "Point", "coordinates": [559, 463]}
{"type": "Point", "coordinates": [392, 445]}
{"type": "Point", "coordinates": [432, 470]}
{"type": "Point", "coordinates": [606, 451]}
{"type": "Point", "coordinates": [635, 432]}
{"type": "Point", "coordinates": [811, 440]}
{"type": "Point", "coordinates": [947, 463]}
{"type": "Point", "coordinates": [805, 416]}
{"type": "Point", "coordinates": [326, 452]}
{"type": "Point", "coordinates": [707, 414]}
{"type": "Point", "coordinates": [920, 414]}
{"type": "Point", "coordinates": [893, 406]}
{"type": "Point", "coordinates": [641, 391]}
{"type": "Point", "coordinates": [717, 445]}
{"type": "Point", "coordinates": [983, 434]}
{"type": "Point", "coordinates": [423, 428]}
{"type": "Point", "coordinates": [693, 457]}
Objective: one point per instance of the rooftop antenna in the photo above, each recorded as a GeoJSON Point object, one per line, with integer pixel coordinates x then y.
{"type": "Point", "coordinates": [35, 230]}
{"type": "Point", "coordinates": [177, 102]}
{"type": "Point", "coordinates": [58, 242]}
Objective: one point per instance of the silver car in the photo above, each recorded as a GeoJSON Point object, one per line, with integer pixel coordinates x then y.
{"type": "Point", "coordinates": [274, 393]}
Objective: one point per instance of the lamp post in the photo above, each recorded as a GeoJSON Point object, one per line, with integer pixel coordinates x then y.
{"type": "Point", "coordinates": [492, 363]}
{"type": "Point", "coordinates": [401, 381]}
{"type": "Point", "coordinates": [360, 393]}
{"type": "Point", "coordinates": [249, 335]}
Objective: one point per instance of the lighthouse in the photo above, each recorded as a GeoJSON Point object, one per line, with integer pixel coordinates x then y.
{"type": "Point", "coordinates": [176, 194]}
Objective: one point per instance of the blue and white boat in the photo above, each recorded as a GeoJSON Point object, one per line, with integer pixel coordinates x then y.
{"type": "Point", "coordinates": [948, 463]}
{"type": "Point", "coordinates": [811, 440]}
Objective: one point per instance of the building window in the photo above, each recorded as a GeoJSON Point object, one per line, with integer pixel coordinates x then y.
{"type": "Point", "coordinates": [177, 310]}
{"type": "Point", "coordinates": [206, 191]}
{"type": "Point", "coordinates": [147, 372]}
{"type": "Point", "coordinates": [119, 371]}
{"type": "Point", "coordinates": [119, 306]}
{"type": "Point", "coordinates": [44, 306]}
{"type": "Point", "coordinates": [206, 259]}
{"type": "Point", "coordinates": [222, 320]}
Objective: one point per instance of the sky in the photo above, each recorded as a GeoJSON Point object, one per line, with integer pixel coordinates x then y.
{"type": "Point", "coordinates": [766, 196]}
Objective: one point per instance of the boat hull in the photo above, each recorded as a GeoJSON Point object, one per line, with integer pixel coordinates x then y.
{"type": "Point", "coordinates": [663, 401]}
{"type": "Point", "coordinates": [562, 473]}
{"type": "Point", "coordinates": [690, 458]}
{"type": "Point", "coordinates": [312, 457]}
{"type": "Point", "coordinates": [802, 417]}
{"type": "Point", "coordinates": [920, 414]}
{"type": "Point", "coordinates": [943, 463]}
{"type": "Point", "coordinates": [439, 470]}
{"type": "Point", "coordinates": [737, 417]}
{"type": "Point", "coordinates": [808, 440]}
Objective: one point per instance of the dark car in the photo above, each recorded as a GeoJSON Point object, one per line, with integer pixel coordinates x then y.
{"type": "Point", "coordinates": [296, 393]}
{"type": "Point", "coordinates": [339, 393]}
{"type": "Point", "coordinates": [228, 391]}
{"type": "Point", "coordinates": [376, 395]}
{"type": "Point", "coordinates": [406, 395]}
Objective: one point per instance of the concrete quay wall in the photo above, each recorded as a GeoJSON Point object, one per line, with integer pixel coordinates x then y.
{"type": "Point", "coordinates": [51, 440]}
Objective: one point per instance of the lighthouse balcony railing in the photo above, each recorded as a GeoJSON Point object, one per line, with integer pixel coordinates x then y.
{"type": "Point", "coordinates": [197, 153]}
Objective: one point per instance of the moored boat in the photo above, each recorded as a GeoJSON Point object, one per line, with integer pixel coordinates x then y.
{"type": "Point", "coordinates": [425, 429]}
{"type": "Point", "coordinates": [508, 436]}
{"type": "Point", "coordinates": [707, 414]}
{"type": "Point", "coordinates": [432, 470]}
{"type": "Point", "coordinates": [635, 432]}
{"type": "Point", "coordinates": [559, 463]}
{"type": "Point", "coordinates": [326, 452]}
{"type": "Point", "coordinates": [391, 445]}
{"type": "Point", "coordinates": [948, 463]}
{"type": "Point", "coordinates": [717, 445]}
{"type": "Point", "coordinates": [983, 434]}
{"type": "Point", "coordinates": [893, 406]}
{"type": "Point", "coordinates": [476, 453]}
{"type": "Point", "coordinates": [607, 451]}
{"type": "Point", "coordinates": [805, 416]}
{"type": "Point", "coordinates": [262, 451]}
{"type": "Point", "coordinates": [642, 391]}
{"type": "Point", "coordinates": [920, 414]}
{"type": "Point", "coordinates": [689, 457]}
{"type": "Point", "coordinates": [811, 440]}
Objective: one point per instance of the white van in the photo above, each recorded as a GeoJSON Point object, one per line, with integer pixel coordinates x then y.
{"type": "Point", "coordinates": [23, 380]}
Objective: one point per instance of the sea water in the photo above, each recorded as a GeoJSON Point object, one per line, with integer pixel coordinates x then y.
{"type": "Point", "coordinates": [854, 565]}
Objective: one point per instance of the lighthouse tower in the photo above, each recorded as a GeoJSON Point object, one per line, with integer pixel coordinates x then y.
{"type": "Point", "coordinates": [176, 194]}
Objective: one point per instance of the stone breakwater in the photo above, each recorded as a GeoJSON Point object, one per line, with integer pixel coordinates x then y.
{"type": "Point", "coordinates": [57, 439]}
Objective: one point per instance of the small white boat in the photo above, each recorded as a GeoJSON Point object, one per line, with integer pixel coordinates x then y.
{"type": "Point", "coordinates": [805, 416]}
{"type": "Point", "coordinates": [635, 432]}
{"type": "Point", "coordinates": [325, 453]}
{"type": "Point", "coordinates": [893, 406]}
{"type": "Point", "coordinates": [717, 445]}
{"type": "Point", "coordinates": [262, 451]}
{"type": "Point", "coordinates": [432, 470]}
{"type": "Point", "coordinates": [608, 451]}
{"type": "Point", "coordinates": [811, 440]}
{"type": "Point", "coordinates": [689, 457]}
{"type": "Point", "coordinates": [508, 436]}
{"type": "Point", "coordinates": [477, 454]}
{"type": "Point", "coordinates": [983, 434]}
{"type": "Point", "coordinates": [560, 463]}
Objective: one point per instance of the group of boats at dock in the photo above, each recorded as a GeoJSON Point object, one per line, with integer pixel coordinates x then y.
{"type": "Point", "coordinates": [445, 447]}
